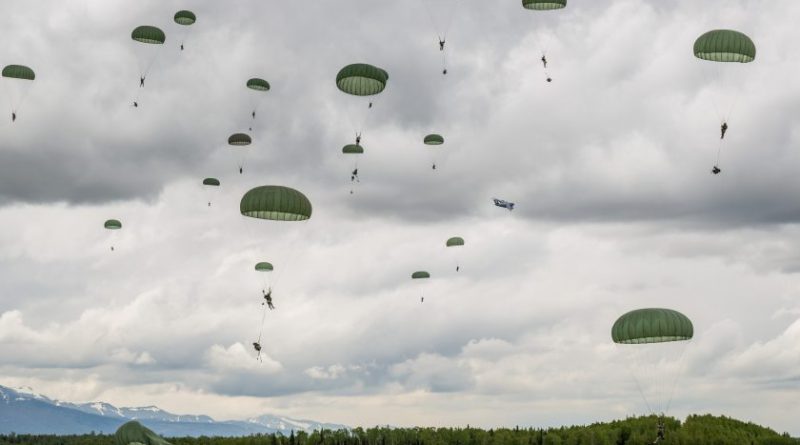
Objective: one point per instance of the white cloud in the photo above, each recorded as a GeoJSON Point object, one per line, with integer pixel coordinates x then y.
{"type": "Point", "coordinates": [608, 165]}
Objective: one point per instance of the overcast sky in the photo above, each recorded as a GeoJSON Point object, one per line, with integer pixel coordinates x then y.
{"type": "Point", "coordinates": [609, 166]}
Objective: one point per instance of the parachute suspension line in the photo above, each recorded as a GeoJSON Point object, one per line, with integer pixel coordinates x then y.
{"type": "Point", "coordinates": [263, 318]}
{"type": "Point", "coordinates": [25, 89]}
{"type": "Point", "coordinates": [678, 373]}
{"type": "Point", "coordinates": [186, 36]}
{"type": "Point", "coordinates": [152, 62]}
{"type": "Point", "coordinates": [441, 32]}
{"type": "Point", "coordinates": [8, 96]}
{"type": "Point", "coordinates": [636, 380]}
{"type": "Point", "coordinates": [641, 392]}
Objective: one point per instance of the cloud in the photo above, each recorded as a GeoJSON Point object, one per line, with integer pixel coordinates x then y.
{"type": "Point", "coordinates": [608, 165]}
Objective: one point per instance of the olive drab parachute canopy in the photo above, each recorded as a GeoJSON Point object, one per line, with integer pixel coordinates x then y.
{"type": "Point", "coordinates": [185, 18]}
{"type": "Point", "coordinates": [433, 139]}
{"type": "Point", "coordinates": [273, 203]}
{"type": "Point", "coordinates": [239, 141]}
{"type": "Point", "coordinates": [352, 149]}
{"type": "Point", "coordinates": [256, 88]}
{"type": "Point", "coordinates": [361, 79]}
{"type": "Point", "coordinates": [148, 40]}
{"type": "Point", "coordinates": [134, 432]}
{"type": "Point", "coordinates": [725, 45]}
{"type": "Point", "coordinates": [18, 72]}
{"type": "Point", "coordinates": [455, 241]}
{"type": "Point", "coordinates": [258, 84]}
{"type": "Point", "coordinates": [264, 267]}
{"type": "Point", "coordinates": [544, 5]}
{"type": "Point", "coordinates": [276, 203]}
{"type": "Point", "coordinates": [149, 35]}
{"type": "Point", "coordinates": [114, 225]}
{"type": "Point", "coordinates": [726, 49]}
{"type": "Point", "coordinates": [652, 342]}
{"type": "Point", "coordinates": [17, 80]}
{"type": "Point", "coordinates": [420, 275]}
{"type": "Point", "coordinates": [644, 326]}
{"type": "Point", "coordinates": [210, 183]}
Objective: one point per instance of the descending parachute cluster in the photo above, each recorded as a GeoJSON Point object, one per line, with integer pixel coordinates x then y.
{"type": "Point", "coordinates": [724, 46]}
{"type": "Point", "coordinates": [639, 330]}
{"type": "Point", "coordinates": [273, 203]}
{"type": "Point", "coordinates": [360, 80]}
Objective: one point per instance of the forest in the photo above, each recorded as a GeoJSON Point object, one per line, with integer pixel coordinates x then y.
{"type": "Point", "coordinates": [695, 430]}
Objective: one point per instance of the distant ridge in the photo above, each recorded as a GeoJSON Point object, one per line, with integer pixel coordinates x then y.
{"type": "Point", "coordinates": [24, 411]}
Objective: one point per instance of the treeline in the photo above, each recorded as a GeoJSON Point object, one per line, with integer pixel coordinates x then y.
{"type": "Point", "coordinates": [696, 430]}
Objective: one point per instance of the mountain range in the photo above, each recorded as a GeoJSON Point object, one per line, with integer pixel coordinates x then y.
{"type": "Point", "coordinates": [23, 411]}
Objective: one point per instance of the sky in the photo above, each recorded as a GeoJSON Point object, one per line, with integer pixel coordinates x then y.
{"type": "Point", "coordinates": [609, 167]}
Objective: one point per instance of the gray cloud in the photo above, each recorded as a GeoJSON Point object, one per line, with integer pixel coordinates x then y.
{"type": "Point", "coordinates": [608, 166]}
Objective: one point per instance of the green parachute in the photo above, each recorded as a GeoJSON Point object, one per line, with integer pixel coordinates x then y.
{"type": "Point", "coordinates": [18, 72]}
{"type": "Point", "coordinates": [276, 203]}
{"type": "Point", "coordinates": [133, 432]}
{"type": "Point", "coordinates": [149, 40]}
{"type": "Point", "coordinates": [257, 89]}
{"type": "Point", "coordinates": [264, 267]}
{"type": "Point", "coordinates": [185, 18]}
{"type": "Point", "coordinates": [361, 79]}
{"type": "Point", "coordinates": [258, 84]}
{"type": "Point", "coordinates": [724, 48]}
{"type": "Point", "coordinates": [653, 341]}
{"type": "Point", "coordinates": [240, 140]}
{"type": "Point", "coordinates": [433, 139]}
{"type": "Point", "coordinates": [455, 241]}
{"type": "Point", "coordinates": [113, 225]}
{"type": "Point", "coordinates": [725, 45]}
{"type": "Point", "coordinates": [17, 81]}
{"type": "Point", "coordinates": [353, 149]}
{"type": "Point", "coordinates": [273, 203]}
{"type": "Point", "coordinates": [421, 275]}
{"type": "Point", "coordinates": [149, 35]}
{"type": "Point", "coordinates": [644, 326]}
{"type": "Point", "coordinates": [544, 5]}
{"type": "Point", "coordinates": [210, 183]}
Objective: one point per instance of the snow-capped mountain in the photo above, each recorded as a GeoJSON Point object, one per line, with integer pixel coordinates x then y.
{"type": "Point", "coordinates": [22, 410]}
{"type": "Point", "coordinates": [286, 424]}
